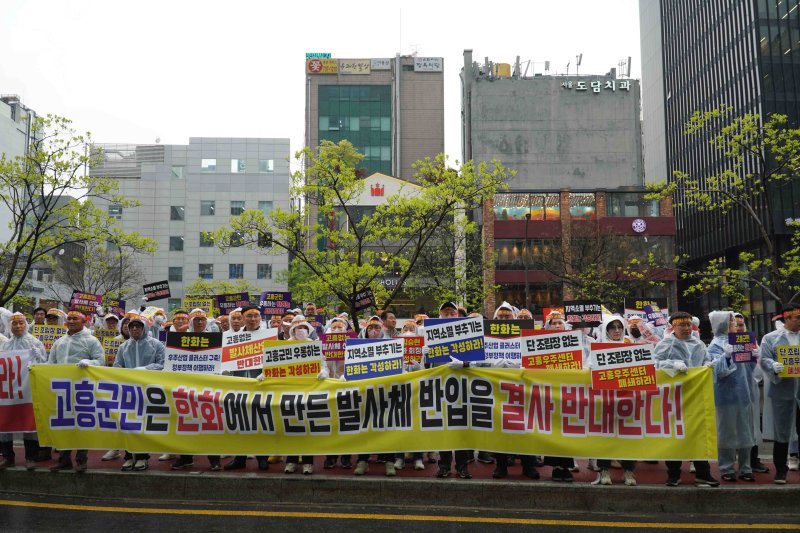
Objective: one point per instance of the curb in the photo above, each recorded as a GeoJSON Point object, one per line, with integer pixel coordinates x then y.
{"type": "Point", "coordinates": [320, 489]}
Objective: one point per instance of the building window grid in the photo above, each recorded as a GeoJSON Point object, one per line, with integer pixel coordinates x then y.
{"type": "Point", "coordinates": [236, 271]}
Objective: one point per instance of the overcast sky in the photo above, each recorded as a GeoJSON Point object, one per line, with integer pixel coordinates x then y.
{"type": "Point", "coordinates": [132, 72]}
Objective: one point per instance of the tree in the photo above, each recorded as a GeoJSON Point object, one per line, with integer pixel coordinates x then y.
{"type": "Point", "coordinates": [347, 248]}
{"type": "Point", "coordinates": [50, 197]}
{"type": "Point", "coordinates": [99, 271]}
{"type": "Point", "coordinates": [761, 158]}
{"type": "Point", "coordinates": [204, 287]}
{"type": "Point", "coordinates": [605, 267]}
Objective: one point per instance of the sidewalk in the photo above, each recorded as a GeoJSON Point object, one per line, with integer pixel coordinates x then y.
{"type": "Point", "coordinates": [104, 479]}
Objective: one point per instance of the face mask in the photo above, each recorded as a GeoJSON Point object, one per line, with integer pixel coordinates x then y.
{"type": "Point", "coordinates": [300, 334]}
{"type": "Point", "coordinates": [635, 332]}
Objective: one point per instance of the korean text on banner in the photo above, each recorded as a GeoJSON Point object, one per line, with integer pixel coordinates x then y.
{"type": "Point", "coordinates": [743, 343]}
{"type": "Point", "coordinates": [333, 344]}
{"type": "Point", "coordinates": [16, 403]}
{"type": "Point", "coordinates": [546, 349]}
{"type": "Point", "coordinates": [635, 306]}
{"type": "Point", "coordinates": [292, 359]}
{"type": "Point", "coordinates": [48, 334]}
{"type": "Point", "coordinates": [369, 358]}
{"type": "Point", "coordinates": [459, 338]}
{"type": "Point", "coordinates": [228, 302]}
{"type": "Point", "coordinates": [102, 333]}
{"type": "Point", "coordinates": [275, 303]}
{"type": "Point", "coordinates": [502, 338]}
{"type": "Point", "coordinates": [790, 357]}
{"type": "Point", "coordinates": [197, 353]}
{"type": "Point", "coordinates": [653, 314]}
{"type": "Point", "coordinates": [206, 303]}
{"type": "Point", "coordinates": [114, 305]}
{"type": "Point", "coordinates": [617, 366]}
{"type": "Point", "coordinates": [534, 412]}
{"type": "Point", "coordinates": [85, 302]}
{"type": "Point", "coordinates": [150, 312]}
{"type": "Point", "coordinates": [412, 349]}
{"type": "Point", "coordinates": [110, 348]}
{"type": "Point", "coordinates": [583, 313]}
{"type": "Point", "coordinates": [244, 350]}
{"type": "Point", "coordinates": [156, 291]}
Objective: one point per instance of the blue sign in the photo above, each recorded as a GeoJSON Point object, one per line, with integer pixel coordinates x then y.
{"type": "Point", "coordinates": [459, 338]}
{"type": "Point", "coordinates": [372, 358]}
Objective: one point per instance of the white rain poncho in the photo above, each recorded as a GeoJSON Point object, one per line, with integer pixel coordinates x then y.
{"type": "Point", "coordinates": [783, 393]}
{"type": "Point", "coordinates": [732, 391]}
{"type": "Point", "coordinates": [71, 349]}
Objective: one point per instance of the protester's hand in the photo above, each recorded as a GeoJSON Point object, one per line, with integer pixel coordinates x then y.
{"type": "Point", "coordinates": [455, 363]}
{"type": "Point", "coordinates": [324, 373]}
{"type": "Point", "coordinates": [140, 368]}
{"type": "Point", "coordinates": [342, 378]}
{"type": "Point", "coordinates": [261, 377]}
{"type": "Point", "coordinates": [777, 367]}
{"type": "Point", "coordinates": [710, 364]}
{"type": "Point", "coordinates": [728, 349]}
{"type": "Point", "coordinates": [502, 363]}
{"type": "Point", "coordinates": [83, 363]}
{"type": "Point", "coordinates": [425, 350]}
{"type": "Point", "coordinates": [30, 365]}
{"type": "Point", "coordinates": [413, 366]}
{"type": "Point", "coordinates": [680, 366]}
{"type": "Point", "coordinates": [99, 310]}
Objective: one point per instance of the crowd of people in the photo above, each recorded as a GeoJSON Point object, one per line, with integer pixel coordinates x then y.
{"type": "Point", "coordinates": [677, 349]}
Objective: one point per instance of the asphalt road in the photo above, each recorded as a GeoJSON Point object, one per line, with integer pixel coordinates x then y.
{"type": "Point", "coordinates": [24, 513]}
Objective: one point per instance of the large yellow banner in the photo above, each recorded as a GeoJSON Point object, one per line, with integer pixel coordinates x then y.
{"type": "Point", "coordinates": [543, 412]}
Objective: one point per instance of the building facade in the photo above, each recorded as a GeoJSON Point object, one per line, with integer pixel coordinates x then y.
{"type": "Point", "coordinates": [703, 55]}
{"type": "Point", "coordinates": [390, 109]}
{"type": "Point", "coordinates": [15, 137]}
{"type": "Point", "coordinates": [576, 144]}
{"type": "Point", "coordinates": [186, 190]}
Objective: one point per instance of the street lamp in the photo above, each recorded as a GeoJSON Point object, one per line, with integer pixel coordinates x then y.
{"type": "Point", "coordinates": [525, 259]}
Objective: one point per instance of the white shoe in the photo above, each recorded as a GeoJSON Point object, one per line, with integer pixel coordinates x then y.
{"type": "Point", "coordinates": [110, 455]}
{"type": "Point", "coordinates": [399, 463]}
{"type": "Point", "coordinates": [168, 457]}
{"type": "Point", "coordinates": [419, 465]}
{"type": "Point", "coordinates": [605, 477]}
{"type": "Point", "coordinates": [691, 467]}
{"type": "Point", "coordinates": [141, 464]}
{"type": "Point", "coordinates": [793, 462]}
{"type": "Point", "coordinates": [593, 465]}
{"type": "Point", "coordinates": [390, 470]}
{"type": "Point", "coordinates": [127, 466]}
{"type": "Point", "coordinates": [361, 468]}
{"type": "Point", "coordinates": [308, 469]}
{"type": "Point", "coordinates": [630, 480]}
{"type": "Point", "coordinates": [290, 468]}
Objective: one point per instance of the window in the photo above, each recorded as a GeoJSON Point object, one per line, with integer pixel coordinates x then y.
{"type": "Point", "coordinates": [206, 240]}
{"type": "Point", "coordinates": [237, 207]}
{"type": "Point", "coordinates": [177, 173]}
{"type": "Point", "coordinates": [264, 271]}
{"type": "Point", "coordinates": [115, 211]}
{"type": "Point", "coordinates": [176, 212]}
{"type": "Point", "coordinates": [266, 165]}
{"type": "Point", "coordinates": [175, 274]}
{"type": "Point", "coordinates": [173, 303]}
{"type": "Point", "coordinates": [176, 244]}
{"type": "Point", "coordinates": [515, 206]}
{"type": "Point", "coordinates": [582, 206]}
{"type": "Point", "coordinates": [631, 204]}
{"type": "Point", "coordinates": [206, 207]}
{"type": "Point", "coordinates": [235, 271]}
{"type": "Point", "coordinates": [208, 165]}
{"type": "Point", "coordinates": [206, 271]}
{"type": "Point", "coordinates": [238, 166]}
{"type": "Point", "coordinates": [265, 206]}
{"type": "Point", "coordinates": [237, 238]}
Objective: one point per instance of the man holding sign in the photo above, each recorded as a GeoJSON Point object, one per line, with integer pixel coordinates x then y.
{"type": "Point", "coordinates": [780, 351]}
{"type": "Point", "coordinates": [20, 340]}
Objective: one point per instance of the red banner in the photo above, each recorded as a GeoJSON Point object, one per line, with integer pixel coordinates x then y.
{"type": "Point", "coordinates": [16, 404]}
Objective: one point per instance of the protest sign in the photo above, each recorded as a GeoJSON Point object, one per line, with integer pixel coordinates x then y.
{"type": "Point", "coordinates": [196, 353]}
{"type": "Point", "coordinates": [85, 302]}
{"type": "Point", "coordinates": [114, 305]}
{"type": "Point", "coordinates": [743, 344]}
{"type": "Point", "coordinates": [459, 338]}
{"type": "Point", "coordinates": [509, 411]}
{"type": "Point", "coordinates": [275, 303]}
{"type": "Point", "coordinates": [789, 356]}
{"type": "Point", "coordinates": [16, 403]}
{"type": "Point", "coordinates": [618, 366]}
{"type": "Point", "coordinates": [48, 334]}
{"type": "Point", "coordinates": [370, 358]}
{"type": "Point", "coordinates": [364, 299]}
{"type": "Point", "coordinates": [333, 344]}
{"type": "Point", "coordinates": [244, 350]}
{"type": "Point", "coordinates": [654, 315]}
{"type": "Point", "coordinates": [316, 322]}
{"type": "Point", "coordinates": [292, 359]}
{"type": "Point", "coordinates": [110, 348]}
{"type": "Point", "coordinates": [501, 338]}
{"type": "Point", "coordinates": [550, 350]}
{"type": "Point", "coordinates": [635, 306]}
{"type": "Point", "coordinates": [150, 312]}
{"type": "Point", "coordinates": [156, 291]}
{"type": "Point", "coordinates": [204, 303]}
{"type": "Point", "coordinates": [583, 313]}
{"type": "Point", "coordinates": [228, 302]}
{"type": "Point", "coordinates": [101, 333]}
{"type": "Point", "coordinates": [412, 349]}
